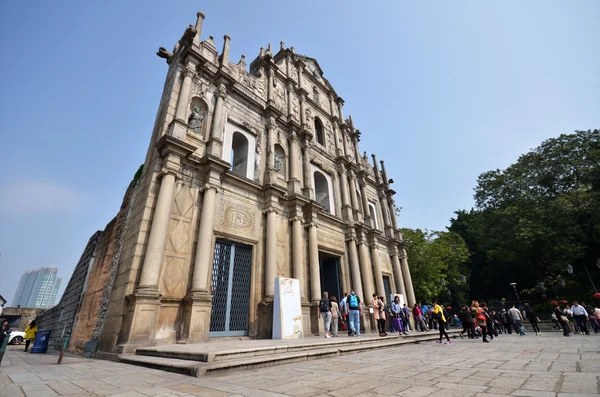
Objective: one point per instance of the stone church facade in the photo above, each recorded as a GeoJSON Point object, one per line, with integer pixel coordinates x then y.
{"type": "Point", "coordinates": [249, 175]}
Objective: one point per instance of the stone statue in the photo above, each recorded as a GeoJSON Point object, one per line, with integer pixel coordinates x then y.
{"type": "Point", "coordinates": [277, 161]}
{"type": "Point", "coordinates": [195, 120]}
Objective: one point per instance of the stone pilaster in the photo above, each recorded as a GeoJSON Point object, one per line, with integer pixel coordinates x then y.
{"type": "Point", "coordinates": [407, 280]}
{"type": "Point", "coordinates": [294, 181]}
{"type": "Point", "coordinates": [377, 272]}
{"type": "Point", "coordinates": [368, 219]}
{"type": "Point", "coordinates": [271, 174]}
{"type": "Point", "coordinates": [179, 126]}
{"type": "Point", "coordinates": [389, 232]}
{"type": "Point", "coordinates": [398, 277]}
{"type": "Point", "coordinates": [346, 207]}
{"type": "Point", "coordinates": [355, 268]}
{"type": "Point", "coordinates": [366, 272]}
{"type": "Point", "coordinates": [308, 190]}
{"type": "Point", "coordinates": [313, 255]}
{"type": "Point", "coordinates": [298, 255]}
{"type": "Point", "coordinates": [271, 252]}
{"type": "Point", "coordinates": [357, 215]}
{"type": "Point", "coordinates": [216, 132]}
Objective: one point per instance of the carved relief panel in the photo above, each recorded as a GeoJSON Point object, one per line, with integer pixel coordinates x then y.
{"type": "Point", "coordinates": [236, 218]}
{"type": "Point", "coordinates": [177, 257]}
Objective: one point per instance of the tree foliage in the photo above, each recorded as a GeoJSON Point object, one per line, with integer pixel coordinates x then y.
{"type": "Point", "coordinates": [534, 218]}
{"type": "Point", "coordinates": [437, 256]}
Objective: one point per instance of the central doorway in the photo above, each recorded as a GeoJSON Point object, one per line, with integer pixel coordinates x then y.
{"type": "Point", "coordinates": [230, 289]}
{"type": "Point", "coordinates": [329, 266]}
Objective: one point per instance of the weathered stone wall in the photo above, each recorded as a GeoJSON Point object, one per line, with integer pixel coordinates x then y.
{"type": "Point", "coordinates": [90, 318]}
{"type": "Point", "coordinates": [61, 316]}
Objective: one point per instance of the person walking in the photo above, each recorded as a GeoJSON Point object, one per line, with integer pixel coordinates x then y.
{"type": "Point", "coordinates": [468, 323]}
{"type": "Point", "coordinates": [344, 312]}
{"type": "Point", "coordinates": [30, 332]}
{"type": "Point", "coordinates": [517, 317]}
{"type": "Point", "coordinates": [479, 316]}
{"type": "Point", "coordinates": [382, 314]}
{"type": "Point", "coordinates": [418, 315]}
{"type": "Point", "coordinates": [406, 319]}
{"type": "Point", "coordinates": [580, 315]}
{"type": "Point", "coordinates": [335, 316]}
{"type": "Point", "coordinates": [437, 313]}
{"type": "Point", "coordinates": [507, 320]}
{"type": "Point", "coordinates": [562, 320]}
{"type": "Point", "coordinates": [489, 321]}
{"type": "Point", "coordinates": [4, 335]}
{"type": "Point", "coordinates": [377, 313]}
{"type": "Point", "coordinates": [354, 311]}
{"type": "Point", "coordinates": [325, 313]}
{"type": "Point", "coordinates": [593, 321]}
{"type": "Point", "coordinates": [533, 319]}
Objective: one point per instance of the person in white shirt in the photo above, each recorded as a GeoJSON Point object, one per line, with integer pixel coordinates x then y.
{"type": "Point", "coordinates": [517, 318]}
{"type": "Point", "coordinates": [580, 316]}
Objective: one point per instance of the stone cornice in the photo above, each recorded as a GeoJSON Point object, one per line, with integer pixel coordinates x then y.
{"type": "Point", "coordinates": [168, 144]}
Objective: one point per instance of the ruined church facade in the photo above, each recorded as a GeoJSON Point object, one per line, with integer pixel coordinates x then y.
{"type": "Point", "coordinates": [252, 172]}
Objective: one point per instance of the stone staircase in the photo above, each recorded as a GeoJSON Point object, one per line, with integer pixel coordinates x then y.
{"type": "Point", "coordinates": [207, 358]}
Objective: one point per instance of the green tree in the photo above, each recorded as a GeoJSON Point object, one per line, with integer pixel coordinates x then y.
{"type": "Point", "coordinates": [534, 218]}
{"type": "Point", "coordinates": [439, 264]}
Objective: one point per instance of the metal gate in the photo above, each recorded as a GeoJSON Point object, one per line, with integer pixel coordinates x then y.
{"type": "Point", "coordinates": [230, 289]}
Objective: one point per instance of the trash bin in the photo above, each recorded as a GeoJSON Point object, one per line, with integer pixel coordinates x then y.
{"type": "Point", "coordinates": [40, 344]}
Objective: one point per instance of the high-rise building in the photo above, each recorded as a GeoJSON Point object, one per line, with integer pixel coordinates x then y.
{"type": "Point", "coordinates": [38, 288]}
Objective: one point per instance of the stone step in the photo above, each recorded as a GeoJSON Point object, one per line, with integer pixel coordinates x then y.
{"type": "Point", "coordinates": [194, 353]}
{"type": "Point", "coordinates": [241, 362]}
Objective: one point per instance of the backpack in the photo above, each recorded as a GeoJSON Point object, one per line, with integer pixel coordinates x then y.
{"type": "Point", "coordinates": [353, 302]}
{"type": "Point", "coordinates": [324, 305]}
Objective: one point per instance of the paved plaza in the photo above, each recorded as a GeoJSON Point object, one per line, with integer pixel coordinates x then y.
{"type": "Point", "coordinates": [550, 365]}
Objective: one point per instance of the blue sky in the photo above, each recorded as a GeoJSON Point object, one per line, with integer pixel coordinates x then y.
{"type": "Point", "coordinates": [442, 91]}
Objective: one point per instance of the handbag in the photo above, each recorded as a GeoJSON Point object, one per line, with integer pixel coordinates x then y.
{"type": "Point", "coordinates": [564, 319]}
{"type": "Point", "coordinates": [436, 316]}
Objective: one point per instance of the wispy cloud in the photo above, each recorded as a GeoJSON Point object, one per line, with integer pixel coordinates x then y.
{"type": "Point", "coordinates": [28, 196]}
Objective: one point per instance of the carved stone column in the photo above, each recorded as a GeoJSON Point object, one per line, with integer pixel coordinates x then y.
{"type": "Point", "coordinates": [270, 174]}
{"type": "Point", "coordinates": [346, 208]}
{"type": "Point", "coordinates": [315, 274]}
{"type": "Point", "coordinates": [390, 203]}
{"type": "Point", "coordinates": [202, 265]}
{"type": "Point", "coordinates": [297, 255]}
{"type": "Point", "coordinates": [398, 278]}
{"type": "Point", "coordinates": [179, 125]}
{"type": "Point", "coordinates": [271, 252]}
{"type": "Point", "coordinates": [158, 233]}
{"type": "Point", "coordinates": [408, 281]}
{"type": "Point", "coordinates": [290, 92]}
{"type": "Point", "coordinates": [270, 85]}
{"type": "Point", "coordinates": [302, 114]}
{"type": "Point", "coordinates": [377, 272]}
{"type": "Point", "coordinates": [355, 269]}
{"type": "Point", "coordinates": [196, 312]}
{"type": "Point", "coordinates": [216, 131]}
{"type": "Point", "coordinates": [366, 272]}
{"type": "Point", "coordinates": [368, 219]}
{"type": "Point", "coordinates": [355, 207]}
{"type": "Point", "coordinates": [294, 181]}
{"type": "Point", "coordinates": [386, 215]}
{"type": "Point", "coordinates": [308, 188]}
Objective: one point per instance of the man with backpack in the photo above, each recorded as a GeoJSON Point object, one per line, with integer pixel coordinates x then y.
{"type": "Point", "coordinates": [325, 312]}
{"type": "Point", "coordinates": [354, 312]}
{"type": "Point", "coordinates": [344, 313]}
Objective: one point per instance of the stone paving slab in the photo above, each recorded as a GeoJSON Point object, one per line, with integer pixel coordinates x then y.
{"type": "Point", "coordinates": [546, 366]}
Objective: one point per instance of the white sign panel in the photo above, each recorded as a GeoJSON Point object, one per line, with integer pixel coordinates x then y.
{"type": "Point", "coordinates": [287, 311]}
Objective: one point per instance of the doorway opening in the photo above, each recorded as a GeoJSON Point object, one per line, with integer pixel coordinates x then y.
{"type": "Point", "coordinates": [329, 266]}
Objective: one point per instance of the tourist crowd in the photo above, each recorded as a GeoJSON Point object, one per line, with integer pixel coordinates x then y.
{"type": "Point", "coordinates": [477, 320]}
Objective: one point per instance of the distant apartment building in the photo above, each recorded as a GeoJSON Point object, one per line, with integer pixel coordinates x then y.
{"type": "Point", "coordinates": [38, 288]}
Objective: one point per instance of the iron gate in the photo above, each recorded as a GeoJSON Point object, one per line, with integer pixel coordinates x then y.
{"type": "Point", "coordinates": [230, 289]}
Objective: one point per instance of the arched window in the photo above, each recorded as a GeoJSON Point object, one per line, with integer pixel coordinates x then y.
{"type": "Point", "coordinates": [373, 213]}
{"type": "Point", "coordinates": [280, 161]}
{"type": "Point", "coordinates": [322, 191]}
{"type": "Point", "coordinates": [319, 132]}
{"type": "Point", "coordinates": [239, 154]}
